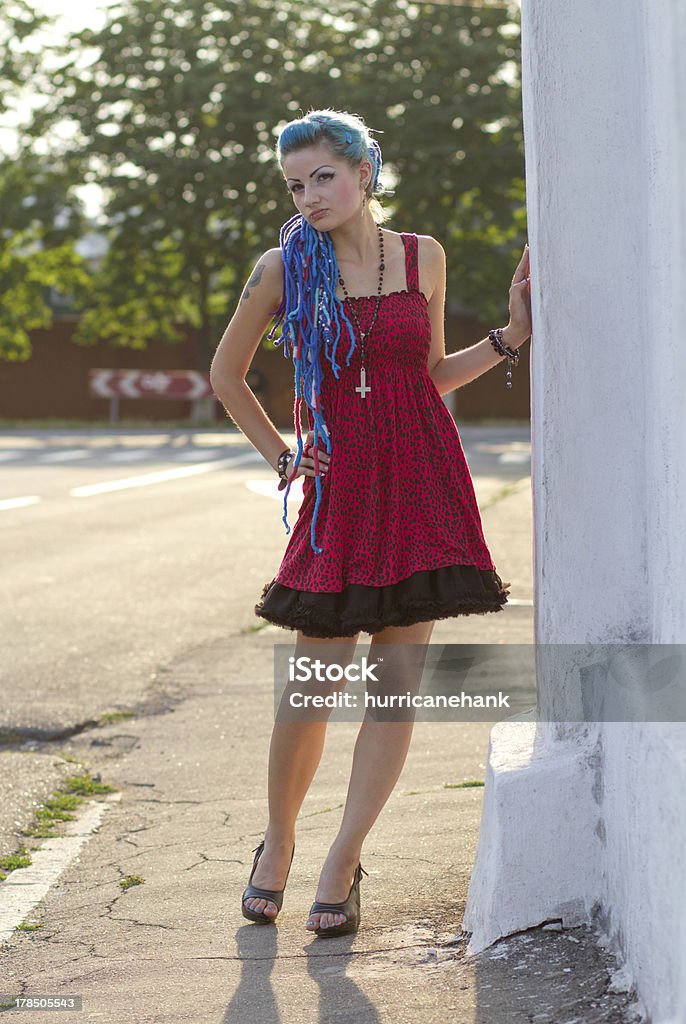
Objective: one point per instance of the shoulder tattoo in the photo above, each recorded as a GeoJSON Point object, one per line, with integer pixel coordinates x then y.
{"type": "Point", "coordinates": [255, 279]}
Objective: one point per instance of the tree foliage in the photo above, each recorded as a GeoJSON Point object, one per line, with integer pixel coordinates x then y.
{"type": "Point", "coordinates": [19, 63]}
{"type": "Point", "coordinates": [40, 222]}
{"type": "Point", "coordinates": [175, 106]}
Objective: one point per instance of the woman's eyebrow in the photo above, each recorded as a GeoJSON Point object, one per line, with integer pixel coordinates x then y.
{"type": "Point", "coordinates": [312, 175]}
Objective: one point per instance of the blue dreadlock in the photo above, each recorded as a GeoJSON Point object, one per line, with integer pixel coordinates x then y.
{"type": "Point", "coordinates": [310, 313]}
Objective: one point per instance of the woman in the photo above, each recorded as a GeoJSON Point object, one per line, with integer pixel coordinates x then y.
{"type": "Point", "coordinates": [388, 537]}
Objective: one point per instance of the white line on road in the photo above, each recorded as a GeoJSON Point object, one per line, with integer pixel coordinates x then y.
{"type": "Point", "coordinates": [198, 453]}
{"type": "Point", "coordinates": [31, 499]}
{"type": "Point", "coordinates": [24, 888]}
{"type": "Point", "coordinates": [66, 456]}
{"type": "Point", "coordinates": [270, 489]}
{"type": "Point", "coordinates": [6, 456]}
{"type": "Point", "coordinates": [514, 457]}
{"type": "Point", "coordinates": [129, 456]}
{"type": "Point", "coordinates": [163, 475]}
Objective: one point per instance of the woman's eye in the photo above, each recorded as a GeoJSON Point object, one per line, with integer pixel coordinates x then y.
{"type": "Point", "coordinates": [325, 176]}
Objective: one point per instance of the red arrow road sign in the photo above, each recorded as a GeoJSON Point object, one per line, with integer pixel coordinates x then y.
{"type": "Point", "coordinates": [187, 384]}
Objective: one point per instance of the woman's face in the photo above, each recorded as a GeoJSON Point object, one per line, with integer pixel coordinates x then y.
{"type": "Point", "coordinates": [325, 188]}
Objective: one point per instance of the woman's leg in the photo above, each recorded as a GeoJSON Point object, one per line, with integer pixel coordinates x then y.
{"type": "Point", "coordinates": [378, 759]}
{"type": "Point", "coordinates": [294, 754]}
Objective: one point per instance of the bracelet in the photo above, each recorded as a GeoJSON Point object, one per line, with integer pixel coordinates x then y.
{"type": "Point", "coordinates": [512, 354]}
{"type": "Point", "coordinates": [282, 466]}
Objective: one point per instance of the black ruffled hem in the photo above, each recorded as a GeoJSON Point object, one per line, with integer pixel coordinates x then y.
{"type": "Point", "coordinates": [422, 597]}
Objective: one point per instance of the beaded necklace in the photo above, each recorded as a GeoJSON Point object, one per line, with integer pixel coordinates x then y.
{"type": "Point", "coordinates": [363, 389]}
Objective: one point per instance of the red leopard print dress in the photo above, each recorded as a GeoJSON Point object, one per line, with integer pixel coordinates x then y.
{"type": "Point", "coordinates": [398, 521]}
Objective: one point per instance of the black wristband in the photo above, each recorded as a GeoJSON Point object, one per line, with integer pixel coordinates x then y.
{"type": "Point", "coordinates": [282, 467]}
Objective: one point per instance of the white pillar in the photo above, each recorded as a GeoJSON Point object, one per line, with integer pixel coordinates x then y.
{"type": "Point", "coordinates": [586, 821]}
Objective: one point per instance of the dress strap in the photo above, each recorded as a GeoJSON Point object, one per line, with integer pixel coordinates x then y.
{"type": "Point", "coordinates": [411, 243]}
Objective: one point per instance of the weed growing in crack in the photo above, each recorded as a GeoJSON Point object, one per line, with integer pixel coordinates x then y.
{"type": "Point", "coordinates": [128, 880]}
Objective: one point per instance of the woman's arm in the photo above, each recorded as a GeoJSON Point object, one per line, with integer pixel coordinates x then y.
{"type": "Point", "coordinates": [459, 368]}
{"type": "Point", "coordinates": [235, 352]}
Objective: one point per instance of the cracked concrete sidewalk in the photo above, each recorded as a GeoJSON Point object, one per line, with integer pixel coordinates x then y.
{"type": "Point", "coordinates": [191, 769]}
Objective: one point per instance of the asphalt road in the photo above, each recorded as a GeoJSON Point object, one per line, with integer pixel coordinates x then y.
{"type": "Point", "coordinates": [120, 550]}
{"type": "Point", "coordinates": [101, 586]}
{"type": "Point", "coordinates": [131, 566]}
{"type": "Point", "coordinates": [128, 555]}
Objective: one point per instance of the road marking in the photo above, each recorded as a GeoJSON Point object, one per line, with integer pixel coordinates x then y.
{"type": "Point", "coordinates": [515, 457]}
{"type": "Point", "coordinates": [129, 456]}
{"type": "Point", "coordinates": [163, 475]}
{"type": "Point", "coordinates": [198, 453]}
{"type": "Point", "coordinates": [6, 456]}
{"type": "Point", "coordinates": [65, 456]}
{"type": "Point", "coordinates": [8, 503]}
{"type": "Point", "coordinates": [270, 489]}
{"type": "Point", "coordinates": [24, 888]}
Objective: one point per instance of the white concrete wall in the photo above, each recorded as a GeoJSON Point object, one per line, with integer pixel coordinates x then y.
{"type": "Point", "coordinates": [588, 821]}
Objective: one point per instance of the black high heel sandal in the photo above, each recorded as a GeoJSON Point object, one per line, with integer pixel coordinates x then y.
{"type": "Point", "coordinates": [350, 907]}
{"type": "Point", "coordinates": [254, 892]}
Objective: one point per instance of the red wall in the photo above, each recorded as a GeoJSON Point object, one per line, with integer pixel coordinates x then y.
{"type": "Point", "coordinates": [53, 383]}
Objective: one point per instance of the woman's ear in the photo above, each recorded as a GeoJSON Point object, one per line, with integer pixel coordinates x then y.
{"type": "Point", "coordinates": [366, 174]}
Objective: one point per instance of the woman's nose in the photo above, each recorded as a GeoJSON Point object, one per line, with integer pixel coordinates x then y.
{"type": "Point", "coordinates": [309, 195]}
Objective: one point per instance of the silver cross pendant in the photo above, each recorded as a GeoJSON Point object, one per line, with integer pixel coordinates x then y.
{"type": "Point", "coordinates": [363, 390]}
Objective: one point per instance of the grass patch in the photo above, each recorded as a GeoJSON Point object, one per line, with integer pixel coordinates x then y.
{"type": "Point", "coordinates": [85, 785]}
{"type": "Point", "coordinates": [468, 784]}
{"type": "Point", "coordinates": [21, 859]}
{"type": "Point", "coordinates": [64, 800]}
{"type": "Point", "coordinates": [57, 808]}
{"type": "Point", "coordinates": [114, 716]}
{"type": "Point", "coordinates": [40, 831]}
{"type": "Point", "coordinates": [27, 926]}
{"type": "Point", "coordinates": [130, 880]}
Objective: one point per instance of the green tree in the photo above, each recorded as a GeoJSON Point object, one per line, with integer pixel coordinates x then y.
{"type": "Point", "coordinates": [175, 106]}
{"type": "Point", "coordinates": [173, 116]}
{"type": "Point", "coordinates": [37, 251]}
{"type": "Point", "coordinates": [442, 80]}
{"type": "Point", "coordinates": [19, 63]}
{"type": "Point", "coordinates": [39, 222]}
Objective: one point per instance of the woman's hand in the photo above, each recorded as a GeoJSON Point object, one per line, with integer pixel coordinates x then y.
{"type": "Point", "coordinates": [306, 467]}
{"type": "Point", "coordinates": [519, 327]}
